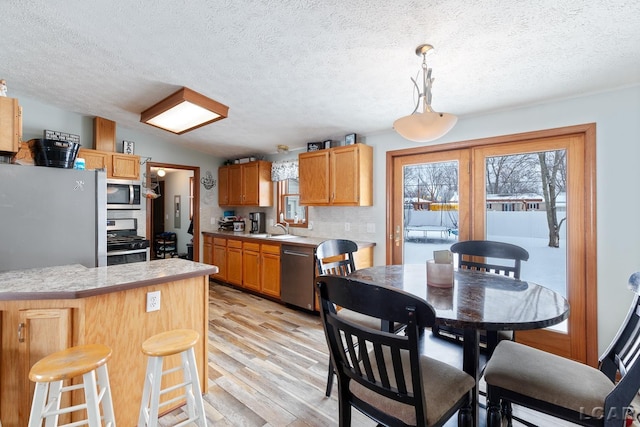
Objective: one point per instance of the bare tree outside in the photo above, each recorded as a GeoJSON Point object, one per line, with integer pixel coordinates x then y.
{"type": "Point", "coordinates": [553, 166]}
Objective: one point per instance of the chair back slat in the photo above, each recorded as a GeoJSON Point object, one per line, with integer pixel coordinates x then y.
{"type": "Point", "coordinates": [335, 257]}
{"type": "Point", "coordinates": [470, 250]}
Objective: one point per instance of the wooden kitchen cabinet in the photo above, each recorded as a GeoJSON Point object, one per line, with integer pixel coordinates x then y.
{"type": "Point", "coordinates": [223, 186]}
{"type": "Point", "coordinates": [10, 125]}
{"type": "Point", "coordinates": [207, 249]}
{"type": "Point", "coordinates": [340, 176]}
{"type": "Point", "coordinates": [94, 159]}
{"type": "Point", "coordinates": [220, 258]}
{"type": "Point", "coordinates": [234, 262]}
{"type": "Point", "coordinates": [247, 184]}
{"type": "Point", "coordinates": [118, 165]}
{"type": "Point", "coordinates": [125, 166]}
{"type": "Point", "coordinates": [104, 134]}
{"type": "Point", "coordinates": [270, 270]}
{"type": "Point", "coordinates": [251, 266]}
{"type": "Point", "coordinates": [28, 335]}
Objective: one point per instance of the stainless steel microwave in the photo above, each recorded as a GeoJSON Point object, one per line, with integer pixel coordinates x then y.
{"type": "Point", "coordinates": [123, 194]}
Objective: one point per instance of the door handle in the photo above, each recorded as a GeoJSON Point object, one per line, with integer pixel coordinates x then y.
{"type": "Point", "coordinates": [397, 238]}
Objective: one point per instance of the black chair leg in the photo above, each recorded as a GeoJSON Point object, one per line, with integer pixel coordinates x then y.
{"type": "Point", "coordinates": [507, 412]}
{"type": "Point", "coordinates": [329, 381]}
{"type": "Point", "coordinates": [465, 418]}
{"type": "Point", "coordinates": [494, 418]}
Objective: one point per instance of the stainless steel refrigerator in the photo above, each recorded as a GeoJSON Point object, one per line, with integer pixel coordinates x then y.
{"type": "Point", "coordinates": [52, 216]}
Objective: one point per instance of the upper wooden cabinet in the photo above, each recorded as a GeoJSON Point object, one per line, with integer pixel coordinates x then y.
{"type": "Point", "coordinates": [340, 176]}
{"type": "Point", "coordinates": [10, 125]}
{"type": "Point", "coordinates": [247, 184]}
{"type": "Point", "coordinates": [104, 134]}
{"type": "Point", "coordinates": [223, 186]}
{"type": "Point", "coordinates": [118, 165]}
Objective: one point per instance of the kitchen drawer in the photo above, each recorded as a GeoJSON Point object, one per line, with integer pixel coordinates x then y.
{"type": "Point", "coordinates": [249, 246]}
{"type": "Point", "coordinates": [234, 244]}
{"type": "Point", "coordinates": [219, 242]}
{"type": "Point", "coordinates": [271, 249]}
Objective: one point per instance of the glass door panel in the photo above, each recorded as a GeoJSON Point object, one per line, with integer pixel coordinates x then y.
{"type": "Point", "coordinates": [526, 205]}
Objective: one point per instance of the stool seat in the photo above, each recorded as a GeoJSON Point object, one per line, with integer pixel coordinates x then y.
{"type": "Point", "coordinates": [170, 342]}
{"type": "Point", "coordinates": [69, 363]}
{"type": "Point", "coordinates": [52, 398]}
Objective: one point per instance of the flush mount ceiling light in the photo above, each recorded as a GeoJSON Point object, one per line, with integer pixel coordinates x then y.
{"type": "Point", "coordinates": [184, 111]}
{"type": "Point", "coordinates": [161, 173]}
{"type": "Point", "coordinates": [283, 149]}
{"type": "Point", "coordinates": [428, 124]}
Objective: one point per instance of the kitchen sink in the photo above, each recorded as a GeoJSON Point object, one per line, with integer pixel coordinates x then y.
{"type": "Point", "coordinates": [260, 235]}
{"type": "Point", "coordinates": [282, 236]}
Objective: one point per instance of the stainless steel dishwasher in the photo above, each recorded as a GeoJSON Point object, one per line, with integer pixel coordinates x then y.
{"type": "Point", "coordinates": [297, 276]}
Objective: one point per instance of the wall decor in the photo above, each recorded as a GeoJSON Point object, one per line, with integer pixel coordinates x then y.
{"type": "Point", "coordinates": [207, 181]}
{"type": "Point", "coordinates": [315, 146]}
{"type": "Point", "coordinates": [128, 147]}
{"type": "Point", "coordinates": [326, 144]}
{"type": "Point", "coordinates": [61, 136]}
{"type": "Point", "coordinates": [350, 139]}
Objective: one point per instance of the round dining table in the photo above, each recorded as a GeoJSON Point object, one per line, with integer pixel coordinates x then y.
{"type": "Point", "coordinates": [475, 301]}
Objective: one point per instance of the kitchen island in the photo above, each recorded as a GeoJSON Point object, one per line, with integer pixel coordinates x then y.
{"type": "Point", "coordinates": [48, 309]}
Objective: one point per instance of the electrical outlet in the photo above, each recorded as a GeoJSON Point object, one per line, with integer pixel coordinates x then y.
{"type": "Point", "coordinates": [310, 226]}
{"type": "Point", "coordinates": [347, 226]}
{"type": "Point", "coordinates": [153, 301]}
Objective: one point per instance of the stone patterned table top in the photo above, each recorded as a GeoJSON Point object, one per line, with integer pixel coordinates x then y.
{"type": "Point", "coordinates": [477, 300]}
{"type": "Point", "coordinates": [77, 281]}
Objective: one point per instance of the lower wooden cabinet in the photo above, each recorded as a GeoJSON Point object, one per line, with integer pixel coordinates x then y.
{"type": "Point", "coordinates": [270, 270]}
{"type": "Point", "coordinates": [234, 262]}
{"type": "Point", "coordinates": [252, 265]}
{"type": "Point", "coordinates": [40, 333]}
{"type": "Point", "coordinates": [220, 258]}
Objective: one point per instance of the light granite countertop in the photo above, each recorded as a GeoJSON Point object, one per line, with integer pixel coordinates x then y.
{"type": "Point", "coordinates": [77, 281]}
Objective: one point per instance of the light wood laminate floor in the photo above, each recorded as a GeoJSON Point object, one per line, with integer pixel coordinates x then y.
{"type": "Point", "coordinates": [268, 367]}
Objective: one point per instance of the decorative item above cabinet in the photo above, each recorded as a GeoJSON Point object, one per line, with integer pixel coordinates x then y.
{"type": "Point", "coordinates": [340, 176]}
{"type": "Point", "coordinates": [246, 184]}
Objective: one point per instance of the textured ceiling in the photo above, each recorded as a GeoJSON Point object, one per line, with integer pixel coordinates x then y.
{"type": "Point", "coordinates": [295, 71]}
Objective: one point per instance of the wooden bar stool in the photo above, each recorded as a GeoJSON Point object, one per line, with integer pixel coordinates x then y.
{"type": "Point", "coordinates": [179, 341]}
{"type": "Point", "coordinates": [49, 374]}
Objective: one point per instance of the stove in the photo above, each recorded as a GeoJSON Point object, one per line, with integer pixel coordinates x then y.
{"type": "Point", "coordinates": [123, 244]}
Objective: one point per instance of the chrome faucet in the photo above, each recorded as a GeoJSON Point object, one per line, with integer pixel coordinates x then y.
{"type": "Point", "coordinates": [284, 226]}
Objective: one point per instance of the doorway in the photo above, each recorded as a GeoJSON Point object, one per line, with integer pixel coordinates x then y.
{"type": "Point", "coordinates": [187, 218]}
{"type": "Point", "coordinates": [445, 193]}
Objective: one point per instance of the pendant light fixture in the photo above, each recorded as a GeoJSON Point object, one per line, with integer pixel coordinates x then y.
{"type": "Point", "coordinates": [427, 125]}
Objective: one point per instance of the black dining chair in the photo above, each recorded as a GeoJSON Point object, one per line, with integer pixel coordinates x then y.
{"type": "Point", "coordinates": [565, 388]}
{"type": "Point", "coordinates": [392, 382]}
{"type": "Point", "coordinates": [499, 258]}
{"type": "Point", "coordinates": [335, 257]}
